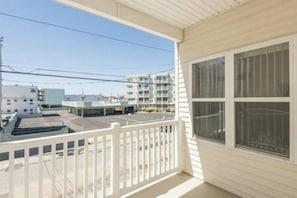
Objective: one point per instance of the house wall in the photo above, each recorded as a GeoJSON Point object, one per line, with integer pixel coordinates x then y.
{"type": "Point", "coordinates": [245, 173]}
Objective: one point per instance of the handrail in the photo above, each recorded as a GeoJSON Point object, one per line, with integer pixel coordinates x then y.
{"type": "Point", "coordinates": [130, 157]}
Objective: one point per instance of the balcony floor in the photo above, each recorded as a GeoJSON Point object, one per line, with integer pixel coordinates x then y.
{"type": "Point", "coordinates": [182, 185]}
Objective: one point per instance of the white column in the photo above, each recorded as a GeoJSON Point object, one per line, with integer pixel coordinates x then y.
{"type": "Point", "coordinates": [104, 112]}
{"type": "Point", "coordinates": [180, 144]}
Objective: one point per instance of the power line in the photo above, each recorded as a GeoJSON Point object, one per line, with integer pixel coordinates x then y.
{"type": "Point", "coordinates": [77, 72]}
{"type": "Point", "coordinates": [73, 77]}
{"type": "Point", "coordinates": [57, 83]}
{"type": "Point", "coordinates": [84, 32]}
{"type": "Point", "coordinates": [74, 72]}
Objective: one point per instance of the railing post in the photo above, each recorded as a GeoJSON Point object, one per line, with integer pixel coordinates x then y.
{"type": "Point", "coordinates": [180, 145]}
{"type": "Point", "coordinates": [115, 164]}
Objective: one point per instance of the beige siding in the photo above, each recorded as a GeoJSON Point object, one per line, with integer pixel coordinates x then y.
{"type": "Point", "coordinates": [246, 173]}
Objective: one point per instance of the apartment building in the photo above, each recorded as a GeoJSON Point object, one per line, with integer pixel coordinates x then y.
{"type": "Point", "coordinates": [151, 91]}
{"type": "Point", "coordinates": [20, 99]}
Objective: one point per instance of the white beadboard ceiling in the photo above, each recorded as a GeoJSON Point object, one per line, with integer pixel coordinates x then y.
{"type": "Point", "coordinates": [167, 18]}
{"type": "Point", "coordinates": [182, 13]}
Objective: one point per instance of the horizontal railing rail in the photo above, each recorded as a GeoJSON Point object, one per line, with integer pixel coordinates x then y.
{"type": "Point", "coordinates": [98, 163]}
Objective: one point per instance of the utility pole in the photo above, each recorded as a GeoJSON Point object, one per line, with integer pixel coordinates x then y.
{"type": "Point", "coordinates": [1, 40]}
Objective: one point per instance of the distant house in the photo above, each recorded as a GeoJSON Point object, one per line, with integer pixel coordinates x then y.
{"type": "Point", "coordinates": [20, 99]}
{"type": "Point", "coordinates": [51, 98]}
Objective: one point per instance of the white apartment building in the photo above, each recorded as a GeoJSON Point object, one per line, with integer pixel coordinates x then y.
{"type": "Point", "coordinates": [20, 99]}
{"type": "Point", "coordinates": [151, 91]}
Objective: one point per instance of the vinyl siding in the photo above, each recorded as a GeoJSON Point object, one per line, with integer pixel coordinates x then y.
{"type": "Point", "coordinates": [246, 173]}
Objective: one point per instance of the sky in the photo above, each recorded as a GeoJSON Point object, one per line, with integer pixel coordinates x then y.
{"type": "Point", "coordinates": [38, 48]}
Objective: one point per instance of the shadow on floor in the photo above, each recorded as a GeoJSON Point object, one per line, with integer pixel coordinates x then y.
{"type": "Point", "coordinates": [182, 185]}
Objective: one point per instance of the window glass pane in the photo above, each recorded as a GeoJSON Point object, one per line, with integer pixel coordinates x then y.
{"type": "Point", "coordinates": [263, 126]}
{"type": "Point", "coordinates": [209, 79]}
{"type": "Point", "coordinates": [209, 120]}
{"type": "Point", "coordinates": [263, 72]}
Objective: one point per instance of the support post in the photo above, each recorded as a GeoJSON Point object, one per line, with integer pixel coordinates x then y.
{"type": "Point", "coordinates": [82, 113]}
{"type": "Point", "coordinates": [180, 145]}
{"type": "Point", "coordinates": [115, 164]}
{"type": "Point", "coordinates": [104, 112]}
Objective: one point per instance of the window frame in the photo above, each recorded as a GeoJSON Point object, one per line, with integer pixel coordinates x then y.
{"type": "Point", "coordinates": [292, 94]}
{"type": "Point", "coordinates": [230, 100]}
{"type": "Point", "coordinates": [221, 99]}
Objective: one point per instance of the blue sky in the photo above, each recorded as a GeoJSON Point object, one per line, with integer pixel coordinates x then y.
{"type": "Point", "coordinates": [28, 46]}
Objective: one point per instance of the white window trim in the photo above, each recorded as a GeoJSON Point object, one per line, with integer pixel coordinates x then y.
{"type": "Point", "coordinates": [230, 100]}
{"type": "Point", "coordinates": [220, 55]}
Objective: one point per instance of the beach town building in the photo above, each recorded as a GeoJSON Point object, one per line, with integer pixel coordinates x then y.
{"type": "Point", "coordinates": [151, 91]}
{"type": "Point", "coordinates": [20, 99]}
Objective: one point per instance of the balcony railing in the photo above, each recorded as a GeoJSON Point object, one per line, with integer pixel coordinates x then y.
{"type": "Point", "coordinates": [100, 163]}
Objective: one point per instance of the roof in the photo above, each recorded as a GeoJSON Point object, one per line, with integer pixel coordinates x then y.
{"type": "Point", "coordinates": [167, 18]}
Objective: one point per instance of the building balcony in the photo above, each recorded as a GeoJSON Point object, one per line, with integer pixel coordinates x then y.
{"type": "Point", "coordinates": [162, 88]}
{"type": "Point", "coordinates": [144, 88]}
{"type": "Point", "coordinates": [144, 102]}
{"type": "Point", "coordinates": [143, 95]}
{"type": "Point", "coordinates": [162, 95]}
{"type": "Point", "coordinates": [161, 81]}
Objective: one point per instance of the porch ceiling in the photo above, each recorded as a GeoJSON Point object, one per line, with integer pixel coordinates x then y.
{"type": "Point", "coordinates": [166, 18]}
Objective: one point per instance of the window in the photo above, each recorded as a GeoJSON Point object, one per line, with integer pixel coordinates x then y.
{"type": "Point", "coordinates": [15, 100]}
{"type": "Point", "coordinates": [25, 110]}
{"type": "Point", "coordinates": [8, 111]}
{"type": "Point", "coordinates": [208, 82]}
{"type": "Point", "coordinates": [15, 110]}
{"type": "Point", "coordinates": [25, 100]}
{"type": "Point", "coordinates": [33, 90]}
{"type": "Point", "coordinates": [263, 123]}
{"type": "Point", "coordinates": [31, 109]}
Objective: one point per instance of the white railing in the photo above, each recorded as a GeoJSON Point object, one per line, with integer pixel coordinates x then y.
{"type": "Point", "coordinates": [100, 163]}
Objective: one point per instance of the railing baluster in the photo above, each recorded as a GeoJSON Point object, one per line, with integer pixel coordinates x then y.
{"type": "Point", "coordinates": [86, 175]}
{"type": "Point", "coordinates": [168, 147]}
{"type": "Point", "coordinates": [163, 149]}
{"type": "Point", "coordinates": [75, 171]}
{"type": "Point", "coordinates": [40, 169]}
{"type": "Point", "coordinates": [124, 157]}
{"type": "Point", "coordinates": [159, 150]}
{"type": "Point", "coordinates": [26, 176]}
{"type": "Point", "coordinates": [103, 165]}
{"type": "Point", "coordinates": [53, 179]}
{"type": "Point", "coordinates": [143, 155]}
{"type": "Point", "coordinates": [149, 153]}
{"type": "Point", "coordinates": [154, 152]}
{"type": "Point", "coordinates": [95, 174]}
{"type": "Point", "coordinates": [11, 173]}
{"type": "Point", "coordinates": [172, 147]}
{"type": "Point", "coordinates": [65, 168]}
{"type": "Point", "coordinates": [137, 157]}
{"type": "Point", "coordinates": [131, 158]}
